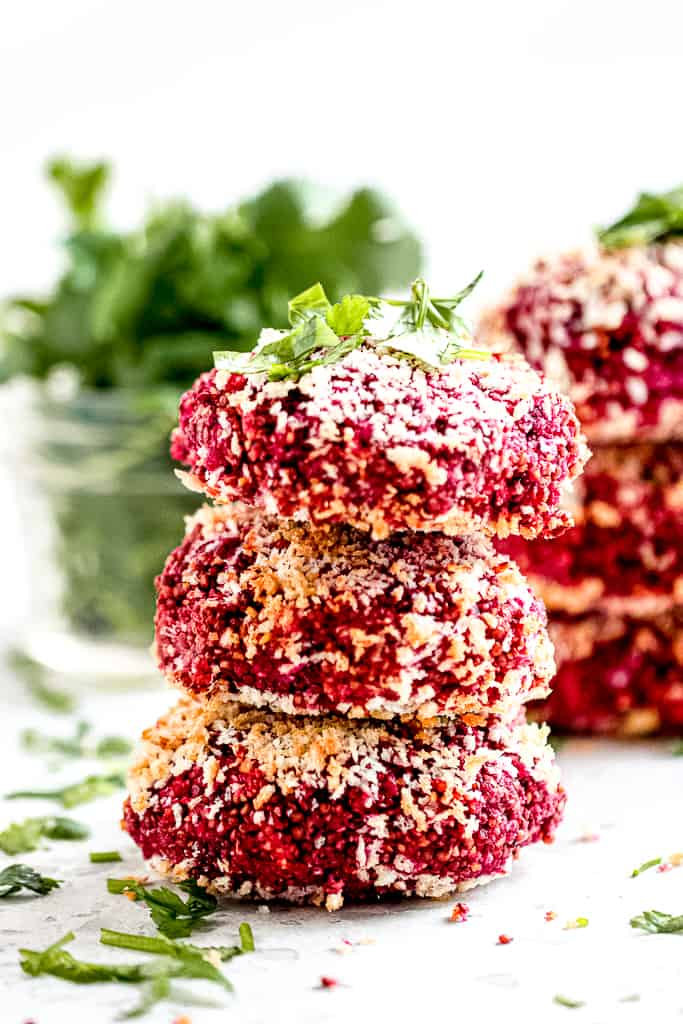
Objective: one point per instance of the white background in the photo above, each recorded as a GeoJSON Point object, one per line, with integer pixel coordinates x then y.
{"type": "Point", "coordinates": [501, 128]}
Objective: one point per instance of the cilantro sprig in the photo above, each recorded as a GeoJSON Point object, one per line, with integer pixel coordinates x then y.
{"type": "Point", "coordinates": [658, 922]}
{"type": "Point", "coordinates": [25, 836]}
{"type": "Point", "coordinates": [20, 876]}
{"type": "Point", "coordinates": [174, 917]}
{"type": "Point", "coordinates": [91, 788]}
{"type": "Point", "coordinates": [653, 218]}
{"type": "Point", "coordinates": [426, 329]}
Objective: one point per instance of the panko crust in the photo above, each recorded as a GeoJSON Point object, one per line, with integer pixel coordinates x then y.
{"type": "Point", "coordinates": [383, 444]}
{"type": "Point", "coordinates": [260, 805]}
{"type": "Point", "coordinates": [624, 556]}
{"type": "Point", "coordinates": [607, 326]}
{"type": "Point", "coordinates": [617, 675]}
{"type": "Point", "coordinates": [311, 622]}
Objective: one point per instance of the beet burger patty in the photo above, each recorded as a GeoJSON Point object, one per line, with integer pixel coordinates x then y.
{"type": "Point", "coordinates": [625, 554]}
{"type": "Point", "coordinates": [261, 805]}
{"type": "Point", "coordinates": [387, 443]}
{"type": "Point", "coordinates": [609, 325]}
{"type": "Point", "coordinates": [319, 621]}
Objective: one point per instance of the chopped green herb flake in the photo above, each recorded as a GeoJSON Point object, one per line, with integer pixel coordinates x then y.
{"type": "Point", "coordinates": [20, 876]}
{"type": "Point", "coordinates": [174, 918]}
{"type": "Point", "coordinates": [25, 836]}
{"type": "Point", "coordinates": [246, 938]}
{"type": "Point", "coordinates": [658, 922]}
{"type": "Point", "coordinates": [571, 1004]}
{"type": "Point", "coordinates": [91, 788]}
{"type": "Point", "coordinates": [646, 866]}
{"type": "Point", "coordinates": [33, 676]}
{"type": "Point", "coordinates": [76, 746]}
{"type": "Point", "coordinates": [678, 750]}
{"type": "Point", "coordinates": [166, 947]}
{"type": "Point", "coordinates": [107, 857]}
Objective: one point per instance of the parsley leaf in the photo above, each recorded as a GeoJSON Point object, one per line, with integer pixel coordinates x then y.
{"type": "Point", "coordinates": [105, 857]}
{"type": "Point", "coordinates": [427, 329]}
{"type": "Point", "coordinates": [174, 918]}
{"type": "Point", "coordinates": [646, 866]}
{"type": "Point", "coordinates": [654, 218]}
{"type": "Point", "coordinates": [91, 788]}
{"type": "Point", "coordinates": [657, 921]}
{"type": "Point", "coordinates": [169, 947]}
{"type": "Point", "coordinates": [348, 317]}
{"type": "Point", "coordinates": [56, 961]}
{"type": "Point", "coordinates": [20, 876]}
{"type": "Point", "coordinates": [33, 676]}
{"type": "Point", "coordinates": [76, 746]}
{"type": "Point", "coordinates": [25, 836]}
{"type": "Point", "coordinates": [571, 1004]}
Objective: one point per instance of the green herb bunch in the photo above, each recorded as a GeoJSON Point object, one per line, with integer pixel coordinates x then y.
{"type": "Point", "coordinates": [136, 316]}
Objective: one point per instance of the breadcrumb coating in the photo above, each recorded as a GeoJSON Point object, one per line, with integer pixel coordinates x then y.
{"type": "Point", "coordinates": [384, 444]}
{"type": "Point", "coordinates": [608, 327]}
{"type": "Point", "coordinates": [624, 556]}
{"type": "Point", "coordinates": [617, 675]}
{"type": "Point", "coordinates": [261, 805]}
{"type": "Point", "coordinates": [310, 621]}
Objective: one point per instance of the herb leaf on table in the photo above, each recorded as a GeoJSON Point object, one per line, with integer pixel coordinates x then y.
{"type": "Point", "coordinates": [654, 217]}
{"type": "Point", "coordinates": [25, 836]}
{"type": "Point", "coordinates": [76, 746]}
{"type": "Point", "coordinates": [658, 922]}
{"type": "Point", "coordinates": [173, 917]}
{"type": "Point", "coordinates": [21, 876]}
{"type": "Point", "coordinates": [91, 788]}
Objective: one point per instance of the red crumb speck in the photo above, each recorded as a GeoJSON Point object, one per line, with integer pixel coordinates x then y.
{"type": "Point", "coordinates": [504, 940]}
{"type": "Point", "coordinates": [460, 912]}
{"type": "Point", "coordinates": [588, 837]}
{"type": "Point", "coordinates": [550, 915]}
{"type": "Point", "coordinates": [664, 867]}
{"type": "Point", "coordinates": [326, 982]}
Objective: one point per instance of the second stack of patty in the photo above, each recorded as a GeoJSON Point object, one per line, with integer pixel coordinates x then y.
{"type": "Point", "coordinates": [609, 325]}
{"type": "Point", "coordinates": [357, 654]}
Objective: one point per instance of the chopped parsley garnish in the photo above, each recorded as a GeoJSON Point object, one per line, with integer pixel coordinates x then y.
{"type": "Point", "coordinates": [571, 1004]}
{"type": "Point", "coordinates": [658, 922]}
{"type": "Point", "coordinates": [175, 960]}
{"type": "Point", "coordinates": [654, 218]}
{"type": "Point", "coordinates": [156, 974]}
{"type": "Point", "coordinates": [169, 947]}
{"type": "Point", "coordinates": [25, 836]}
{"type": "Point", "coordinates": [20, 876]}
{"type": "Point", "coordinates": [33, 676]}
{"type": "Point", "coordinates": [76, 746]}
{"type": "Point", "coordinates": [91, 788]}
{"type": "Point", "coordinates": [678, 750]}
{"type": "Point", "coordinates": [426, 329]}
{"type": "Point", "coordinates": [646, 866]}
{"type": "Point", "coordinates": [174, 918]}
{"type": "Point", "coordinates": [106, 857]}
{"type": "Point", "coordinates": [578, 922]}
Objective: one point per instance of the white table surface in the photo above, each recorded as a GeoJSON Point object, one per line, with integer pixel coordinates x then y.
{"type": "Point", "coordinates": [406, 961]}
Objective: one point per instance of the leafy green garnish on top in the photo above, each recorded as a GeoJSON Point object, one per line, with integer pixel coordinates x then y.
{"type": "Point", "coordinates": [655, 217]}
{"type": "Point", "coordinates": [175, 918]}
{"type": "Point", "coordinates": [427, 329]}
{"type": "Point", "coordinates": [20, 876]}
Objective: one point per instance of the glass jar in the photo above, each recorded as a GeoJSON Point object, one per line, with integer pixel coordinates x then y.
{"type": "Point", "coordinates": [99, 511]}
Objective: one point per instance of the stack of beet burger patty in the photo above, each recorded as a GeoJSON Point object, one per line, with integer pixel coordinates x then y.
{"type": "Point", "coordinates": [607, 324]}
{"type": "Point", "coordinates": [354, 654]}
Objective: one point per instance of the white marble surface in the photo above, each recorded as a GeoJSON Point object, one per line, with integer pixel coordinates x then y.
{"type": "Point", "coordinates": [406, 961]}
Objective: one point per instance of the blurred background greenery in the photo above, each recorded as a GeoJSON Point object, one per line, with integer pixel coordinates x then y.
{"type": "Point", "coordinates": [132, 319]}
